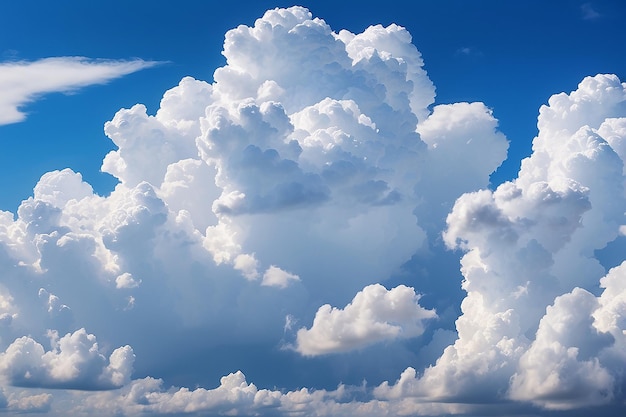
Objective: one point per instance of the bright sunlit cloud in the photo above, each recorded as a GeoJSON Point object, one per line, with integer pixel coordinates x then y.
{"type": "Point", "coordinates": [258, 216]}
{"type": "Point", "coordinates": [375, 314]}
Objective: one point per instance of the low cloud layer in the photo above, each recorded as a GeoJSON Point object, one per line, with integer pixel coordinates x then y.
{"type": "Point", "coordinates": [75, 361]}
{"type": "Point", "coordinates": [22, 82]}
{"type": "Point", "coordinates": [315, 166]}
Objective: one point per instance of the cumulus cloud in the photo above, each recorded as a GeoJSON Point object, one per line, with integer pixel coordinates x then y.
{"type": "Point", "coordinates": [530, 245]}
{"type": "Point", "coordinates": [22, 403]}
{"type": "Point", "coordinates": [375, 314]}
{"type": "Point", "coordinates": [276, 277]}
{"type": "Point", "coordinates": [464, 147]}
{"type": "Point", "coordinates": [312, 168]}
{"type": "Point", "coordinates": [74, 362]}
{"type": "Point", "coordinates": [234, 395]}
{"type": "Point", "coordinates": [126, 280]}
{"type": "Point", "coordinates": [22, 82]}
{"type": "Point", "coordinates": [562, 361]}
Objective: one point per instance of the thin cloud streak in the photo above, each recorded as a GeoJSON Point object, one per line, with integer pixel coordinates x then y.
{"type": "Point", "coordinates": [23, 82]}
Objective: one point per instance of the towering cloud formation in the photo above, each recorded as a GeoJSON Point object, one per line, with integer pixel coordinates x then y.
{"type": "Point", "coordinates": [531, 244]}
{"type": "Point", "coordinates": [313, 167]}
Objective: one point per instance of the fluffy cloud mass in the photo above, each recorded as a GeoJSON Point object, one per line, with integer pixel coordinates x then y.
{"type": "Point", "coordinates": [315, 166]}
{"type": "Point", "coordinates": [374, 314]}
{"type": "Point", "coordinates": [22, 82]}
{"type": "Point", "coordinates": [74, 362]}
{"type": "Point", "coordinates": [530, 319]}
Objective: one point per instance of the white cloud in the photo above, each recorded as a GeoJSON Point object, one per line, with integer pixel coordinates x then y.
{"type": "Point", "coordinates": [126, 280]}
{"type": "Point", "coordinates": [74, 362]}
{"type": "Point", "coordinates": [276, 277]}
{"type": "Point", "coordinates": [310, 169]}
{"type": "Point", "coordinates": [611, 315]}
{"type": "Point", "coordinates": [248, 266]}
{"type": "Point", "coordinates": [38, 403]}
{"type": "Point", "coordinates": [22, 82]}
{"type": "Point", "coordinates": [561, 369]}
{"type": "Point", "coordinates": [464, 148]}
{"type": "Point", "coordinates": [530, 244]}
{"type": "Point", "coordinates": [375, 314]}
{"type": "Point", "coordinates": [233, 396]}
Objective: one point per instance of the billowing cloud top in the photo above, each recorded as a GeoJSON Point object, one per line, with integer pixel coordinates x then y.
{"type": "Point", "coordinates": [312, 168]}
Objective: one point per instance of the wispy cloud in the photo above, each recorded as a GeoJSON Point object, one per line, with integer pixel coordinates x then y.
{"type": "Point", "coordinates": [589, 13]}
{"type": "Point", "coordinates": [468, 51]}
{"type": "Point", "coordinates": [22, 82]}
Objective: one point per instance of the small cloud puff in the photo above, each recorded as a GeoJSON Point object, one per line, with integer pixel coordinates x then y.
{"type": "Point", "coordinates": [276, 277]}
{"type": "Point", "coordinates": [126, 280]}
{"type": "Point", "coordinates": [374, 315]}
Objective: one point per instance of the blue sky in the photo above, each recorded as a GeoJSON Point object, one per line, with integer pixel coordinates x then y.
{"type": "Point", "coordinates": [328, 220]}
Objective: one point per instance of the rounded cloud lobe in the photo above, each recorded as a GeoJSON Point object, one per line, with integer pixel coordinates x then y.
{"type": "Point", "coordinates": [312, 168]}
{"type": "Point", "coordinates": [531, 321]}
{"type": "Point", "coordinates": [374, 314]}
{"type": "Point", "coordinates": [74, 362]}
